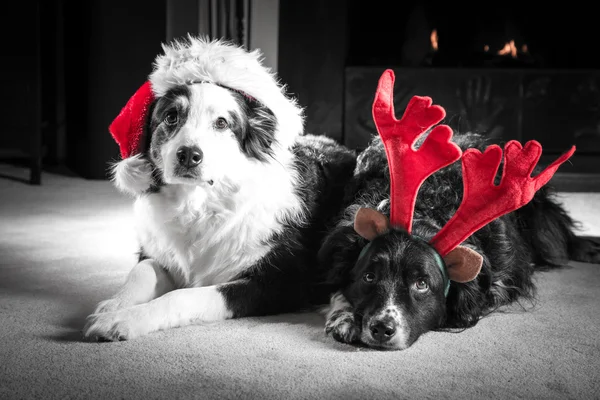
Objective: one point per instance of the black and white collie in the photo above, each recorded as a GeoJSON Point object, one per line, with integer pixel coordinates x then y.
{"type": "Point", "coordinates": [394, 292]}
{"type": "Point", "coordinates": [231, 196]}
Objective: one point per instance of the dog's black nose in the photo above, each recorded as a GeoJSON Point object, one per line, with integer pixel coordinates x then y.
{"type": "Point", "coordinates": [383, 330]}
{"type": "Point", "coordinates": [189, 156]}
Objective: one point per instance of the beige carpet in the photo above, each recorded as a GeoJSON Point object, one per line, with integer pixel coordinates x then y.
{"type": "Point", "coordinates": [69, 243]}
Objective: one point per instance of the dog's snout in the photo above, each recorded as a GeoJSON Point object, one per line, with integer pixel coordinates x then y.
{"type": "Point", "coordinates": [189, 156]}
{"type": "Point", "coordinates": [384, 329]}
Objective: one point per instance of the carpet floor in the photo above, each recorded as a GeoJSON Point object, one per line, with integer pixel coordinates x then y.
{"type": "Point", "coordinates": [69, 243]}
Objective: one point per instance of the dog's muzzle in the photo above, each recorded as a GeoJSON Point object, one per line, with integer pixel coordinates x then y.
{"type": "Point", "coordinates": [382, 330]}
{"type": "Point", "coordinates": [189, 157]}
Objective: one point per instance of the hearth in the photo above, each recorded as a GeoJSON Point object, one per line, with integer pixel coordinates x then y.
{"type": "Point", "coordinates": [499, 69]}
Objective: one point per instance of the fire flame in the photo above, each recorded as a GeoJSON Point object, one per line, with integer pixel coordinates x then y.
{"type": "Point", "coordinates": [434, 39]}
{"type": "Point", "coordinates": [509, 48]}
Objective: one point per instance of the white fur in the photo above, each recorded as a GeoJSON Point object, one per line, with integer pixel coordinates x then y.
{"type": "Point", "coordinates": [223, 161]}
{"type": "Point", "coordinates": [175, 309]}
{"type": "Point", "coordinates": [206, 234]}
{"type": "Point", "coordinates": [337, 302]}
{"type": "Point", "coordinates": [203, 234]}
{"type": "Point", "coordinates": [340, 322]}
{"type": "Point", "coordinates": [145, 282]}
{"type": "Point", "coordinates": [132, 175]}
{"type": "Point", "coordinates": [232, 66]}
{"type": "Point", "coordinates": [400, 340]}
{"type": "Point", "coordinates": [340, 319]}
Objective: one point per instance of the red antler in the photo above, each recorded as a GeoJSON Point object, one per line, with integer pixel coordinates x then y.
{"type": "Point", "coordinates": [482, 200]}
{"type": "Point", "coordinates": [409, 167]}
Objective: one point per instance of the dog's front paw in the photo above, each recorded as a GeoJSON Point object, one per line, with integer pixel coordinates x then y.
{"type": "Point", "coordinates": [108, 306]}
{"type": "Point", "coordinates": [342, 327]}
{"type": "Point", "coordinates": [114, 326]}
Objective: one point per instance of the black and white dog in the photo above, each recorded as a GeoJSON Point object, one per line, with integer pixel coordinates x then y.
{"type": "Point", "coordinates": [231, 196]}
{"type": "Point", "coordinates": [389, 294]}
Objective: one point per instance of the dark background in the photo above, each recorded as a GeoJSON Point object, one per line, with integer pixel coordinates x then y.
{"type": "Point", "coordinates": [68, 68]}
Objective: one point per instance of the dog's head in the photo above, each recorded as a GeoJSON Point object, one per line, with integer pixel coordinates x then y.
{"type": "Point", "coordinates": [213, 111]}
{"type": "Point", "coordinates": [202, 133]}
{"type": "Point", "coordinates": [397, 290]}
{"type": "Point", "coordinates": [399, 283]}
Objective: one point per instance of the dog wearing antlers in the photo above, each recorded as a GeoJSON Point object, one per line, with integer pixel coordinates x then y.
{"type": "Point", "coordinates": [433, 236]}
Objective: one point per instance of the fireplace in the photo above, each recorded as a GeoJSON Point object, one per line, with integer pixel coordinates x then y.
{"type": "Point", "coordinates": [500, 34]}
{"type": "Point", "coordinates": [500, 69]}
{"type": "Point", "coordinates": [505, 69]}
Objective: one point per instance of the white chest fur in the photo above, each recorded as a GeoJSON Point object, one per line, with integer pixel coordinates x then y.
{"type": "Point", "coordinates": [208, 235]}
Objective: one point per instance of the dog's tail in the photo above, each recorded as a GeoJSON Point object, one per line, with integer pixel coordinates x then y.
{"type": "Point", "coordinates": [551, 233]}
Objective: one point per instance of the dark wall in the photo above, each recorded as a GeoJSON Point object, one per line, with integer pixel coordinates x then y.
{"type": "Point", "coordinates": [186, 14]}
{"type": "Point", "coordinates": [109, 47]}
{"type": "Point", "coordinates": [19, 75]}
{"type": "Point", "coordinates": [312, 56]}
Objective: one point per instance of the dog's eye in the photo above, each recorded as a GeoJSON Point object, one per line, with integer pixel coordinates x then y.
{"type": "Point", "coordinates": [369, 277]}
{"type": "Point", "coordinates": [421, 285]}
{"type": "Point", "coordinates": [172, 118]}
{"type": "Point", "coordinates": [221, 123]}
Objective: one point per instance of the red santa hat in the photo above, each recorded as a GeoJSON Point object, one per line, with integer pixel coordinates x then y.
{"type": "Point", "coordinates": [128, 128]}
{"type": "Point", "coordinates": [219, 62]}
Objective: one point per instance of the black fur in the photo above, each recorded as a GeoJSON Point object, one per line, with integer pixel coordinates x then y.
{"type": "Point", "coordinates": [281, 282]}
{"type": "Point", "coordinates": [255, 128]}
{"type": "Point", "coordinates": [539, 235]}
{"type": "Point", "coordinates": [177, 99]}
{"type": "Point", "coordinates": [155, 134]}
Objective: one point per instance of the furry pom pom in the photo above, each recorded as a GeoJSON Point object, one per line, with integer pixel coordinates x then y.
{"type": "Point", "coordinates": [132, 175]}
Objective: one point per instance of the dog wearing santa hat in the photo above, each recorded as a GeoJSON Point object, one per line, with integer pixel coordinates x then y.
{"type": "Point", "coordinates": [231, 197]}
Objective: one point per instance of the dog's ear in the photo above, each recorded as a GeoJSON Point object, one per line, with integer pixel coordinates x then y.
{"type": "Point", "coordinates": [370, 223]}
{"type": "Point", "coordinates": [463, 264]}
{"type": "Point", "coordinates": [259, 134]}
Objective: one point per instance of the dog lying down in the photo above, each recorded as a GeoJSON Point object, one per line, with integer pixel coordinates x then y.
{"type": "Point", "coordinates": [231, 197]}
{"type": "Point", "coordinates": [397, 275]}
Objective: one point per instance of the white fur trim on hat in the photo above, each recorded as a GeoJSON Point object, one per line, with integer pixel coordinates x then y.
{"type": "Point", "coordinates": [226, 64]}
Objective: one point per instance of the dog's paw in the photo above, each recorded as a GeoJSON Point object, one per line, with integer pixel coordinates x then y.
{"type": "Point", "coordinates": [109, 305]}
{"type": "Point", "coordinates": [114, 326]}
{"type": "Point", "coordinates": [342, 327]}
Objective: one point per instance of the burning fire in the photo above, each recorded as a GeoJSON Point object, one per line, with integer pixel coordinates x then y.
{"type": "Point", "coordinates": [509, 48]}
{"type": "Point", "coordinates": [434, 39]}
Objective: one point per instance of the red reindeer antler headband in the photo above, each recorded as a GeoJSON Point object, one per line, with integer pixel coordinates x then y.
{"type": "Point", "coordinates": [410, 167]}
{"type": "Point", "coordinates": [482, 201]}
